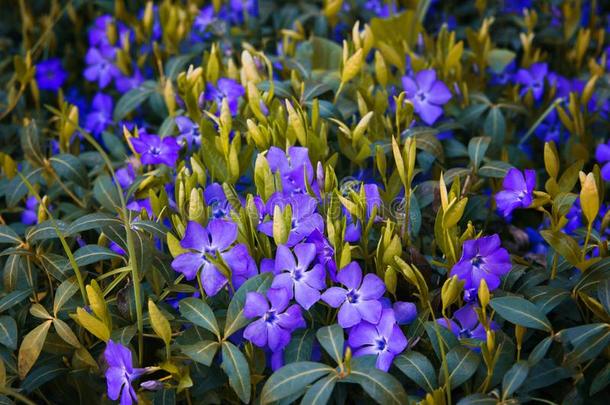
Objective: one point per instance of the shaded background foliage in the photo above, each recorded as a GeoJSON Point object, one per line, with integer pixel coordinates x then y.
{"type": "Point", "coordinates": [415, 142]}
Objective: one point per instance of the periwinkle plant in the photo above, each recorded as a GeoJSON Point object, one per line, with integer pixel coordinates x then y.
{"type": "Point", "coordinates": [279, 202]}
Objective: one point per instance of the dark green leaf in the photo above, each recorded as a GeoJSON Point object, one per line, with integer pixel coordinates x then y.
{"type": "Point", "coordinates": [202, 352]}
{"type": "Point", "coordinates": [41, 375]}
{"type": "Point", "coordinates": [601, 380]}
{"type": "Point", "coordinates": [332, 340]}
{"type": "Point", "coordinates": [165, 397]}
{"type": "Point", "coordinates": [300, 346]}
{"type": "Point", "coordinates": [236, 367]}
{"type": "Point", "coordinates": [46, 230]}
{"type": "Point", "coordinates": [106, 193]}
{"type": "Point", "coordinates": [477, 399]}
{"type": "Point", "coordinates": [91, 221]}
{"type": "Point", "coordinates": [132, 100]}
{"type": "Point", "coordinates": [477, 148]}
{"type": "Point", "coordinates": [320, 392]}
{"type": "Point", "coordinates": [12, 299]}
{"type": "Point", "coordinates": [94, 253]}
{"type": "Point", "coordinates": [418, 368]}
{"type": "Point", "coordinates": [540, 351]}
{"type": "Point", "coordinates": [381, 386]}
{"type": "Point", "coordinates": [521, 312]}
{"type": "Point", "coordinates": [495, 169]}
{"type": "Point", "coordinates": [199, 313]}
{"type": "Point", "coordinates": [514, 378]}
{"type": "Point", "coordinates": [292, 378]}
{"type": "Point", "coordinates": [495, 126]}
{"type": "Point", "coordinates": [462, 364]}
{"type": "Point", "coordinates": [8, 332]}
{"type": "Point", "coordinates": [7, 235]}
{"type": "Point", "coordinates": [446, 337]}
{"type": "Point", "coordinates": [70, 168]}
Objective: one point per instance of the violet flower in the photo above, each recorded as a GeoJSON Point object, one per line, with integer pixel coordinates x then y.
{"type": "Point", "coordinates": [50, 74]}
{"type": "Point", "coordinates": [101, 114]}
{"type": "Point", "coordinates": [325, 252]}
{"type": "Point", "coordinates": [517, 191]}
{"type": "Point", "coordinates": [189, 135]}
{"type": "Point", "coordinates": [299, 277]}
{"type": "Point", "coordinates": [427, 94]}
{"type": "Point", "coordinates": [465, 324]}
{"type": "Point", "coordinates": [384, 340]}
{"type": "Point", "coordinates": [602, 155]}
{"type": "Point", "coordinates": [100, 65]}
{"type": "Point", "coordinates": [156, 150]}
{"type": "Point", "coordinates": [29, 216]}
{"type": "Point", "coordinates": [360, 300]}
{"type": "Point", "coordinates": [211, 242]}
{"type": "Point", "coordinates": [304, 218]}
{"type": "Point", "coordinates": [225, 88]}
{"type": "Point", "coordinates": [532, 79]}
{"type": "Point", "coordinates": [294, 167]}
{"type": "Point", "coordinates": [120, 373]}
{"type": "Point", "coordinates": [482, 259]}
{"type": "Point", "coordinates": [276, 321]}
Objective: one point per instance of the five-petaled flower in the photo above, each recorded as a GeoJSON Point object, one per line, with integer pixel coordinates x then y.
{"type": "Point", "coordinates": [385, 339]}
{"type": "Point", "coordinates": [295, 168]}
{"type": "Point", "coordinates": [120, 373]}
{"type": "Point", "coordinates": [482, 258]}
{"type": "Point", "coordinates": [517, 191]}
{"type": "Point", "coordinates": [532, 79]}
{"type": "Point", "coordinates": [156, 150]}
{"type": "Point", "coordinates": [602, 155]}
{"type": "Point", "coordinates": [277, 321]}
{"type": "Point", "coordinates": [50, 74]}
{"type": "Point", "coordinates": [298, 277]}
{"type": "Point", "coordinates": [427, 94]}
{"type": "Point", "coordinates": [207, 244]}
{"type": "Point", "coordinates": [360, 300]}
{"type": "Point", "coordinates": [465, 324]}
{"type": "Point", "coordinates": [225, 88]}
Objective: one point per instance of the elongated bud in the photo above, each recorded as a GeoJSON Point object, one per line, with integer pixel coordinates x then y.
{"type": "Point", "coordinates": [491, 341]}
{"type": "Point", "coordinates": [589, 197]}
{"type": "Point", "coordinates": [352, 66]}
{"type": "Point", "coordinates": [483, 293]}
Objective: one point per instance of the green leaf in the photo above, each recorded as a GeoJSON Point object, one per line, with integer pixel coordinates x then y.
{"type": "Point", "coordinates": [202, 352]}
{"type": "Point", "coordinates": [495, 126]}
{"type": "Point", "coordinates": [603, 292]}
{"type": "Point", "coordinates": [46, 230]}
{"type": "Point", "coordinates": [132, 100]}
{"type": "Point", "coordinates": [292, 378]}
{"type": "Point", "coordinates": [236, 367]}
{"type": "Point", "coordinates": [8, 332]}
{"type": "Point", "coordinates": [332, 340]}
{"type": "Point", "coordinates": [165, 397]}
{"type": "Point", "coordinates": [472, 113]}
{"type": "Point", "coordinates": [235, 313]}
{"type": "Point", "coordinates": [448, 339]}
{"type": "Point", "coordinates": [320, 392]}
{"type": "Point", "coordinates": [563, 244]}
{"type": "Point", "coordinates": [89, 254]}
{"type": "Point", "coordinates": [31, 347]}
{"type": "Point", "coordinates": [588, 348]}
{"type": "Point", "coordinates": [521, 312]}
{"type": "Point", "coordinates": [7, 235]}
{"type": "Point", "coordinates": [41, 375]}
{"type": "Point", "coordinates": [381, 386]}
{"type": "Point", "coordinates": [176, 65]}
{"type": "Point", "coordinates": [601, 380]}
{"type": "Point", "coordinates": [71, 168]}
{"type": "Point", "coordinates": [30, 143]}
{"type": "Point", "coordinates": [17, 189]}
{"type": "Point", "coordinates": [477, 399]}
{"type": "Point", "coordinates": [477, 148]}
{"type": "Point", "coordinates": [418, 368]}
{"type": "Point", "coordinates": [496, 169]}
{"type": "Point", "coordinates": [12, 299]}
{"type": "Point", "coordinates": [300, 346]}
{"type": "Point", "coordinates": [539, 351]}
{"type": "Point", "coordinates": [106, 193]}
{"type": "Point", "coordinates": [199, 313]}
{"type": "Point", "coordinates": [514, 378]}
{"type": "Point", "coordinates": [64, 292]}
{"type": "Point", "coordinates": [462, 364]}
{"type": "Point", "coordinates": [91, 221]}
{"type": "Point", "coordinates": [498, 59]}
{"type": "Point", "coordinates": [159, 323]}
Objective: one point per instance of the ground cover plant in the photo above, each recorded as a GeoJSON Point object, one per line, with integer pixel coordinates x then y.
{"type": "Point", "coordinates": [313, 202]}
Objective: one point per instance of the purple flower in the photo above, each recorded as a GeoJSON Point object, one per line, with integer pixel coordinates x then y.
{"type": "Point", "coordinates": [29, 216]}
{"type": "Point", "coordinates": [295, 169]}
{"type": "Point", "coordinates": [360, 300]}
{"type": "Point", "coordinates": [550, 129]}
{"type": "Point", "coordinates": [304, 218]}
{"type": "Point", "coordinates": [353, 228]}
{"type": "Point", "coordinates": [325, 252]}
{"type": "Point", "coordinates": [204, 19]}
{"type": "Point", "coordinates": [298, 277]}
{"type": "Point", "coordinates": [467, 325]}
{"type": "Point", "coordinates": [126, 176]}
{"type": "Point", "coordinates": [532, 79]}
{"type": "Point", "coordinates": [427, 94]}
{"type": "Point", "coordinates": [482, 258]}
{"type": "Point", "coordinates": [101, 114]}
{"type": "Point", "coordinates": [276, 322]}
{"type": "Point", "coordinates": [225, 88]}
{"type": "Point", "coordinates": [602, 155]}
{"type": "Point", "coordinates": [100, 65]}
{"type": "Point", "coordinates": [50, 74]}
{"type": "Point", "coordinates": [120, 373]}
{"type": "Point", "coordinates": [156, 150]}
{"type": "Point", "coordinates": [189, 135]}
{"type": "Point", "coordinates": [125, 83]}
{"type": "Point", "coordinates": [385, 340]}
{"type": "Point", "coordinates": [208, 243]}
{"type": "Point", "coordinates": [516, 191]}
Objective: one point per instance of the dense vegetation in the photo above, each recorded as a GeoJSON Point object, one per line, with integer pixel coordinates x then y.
{"type": "Point", "coordinates": [347, 201]}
